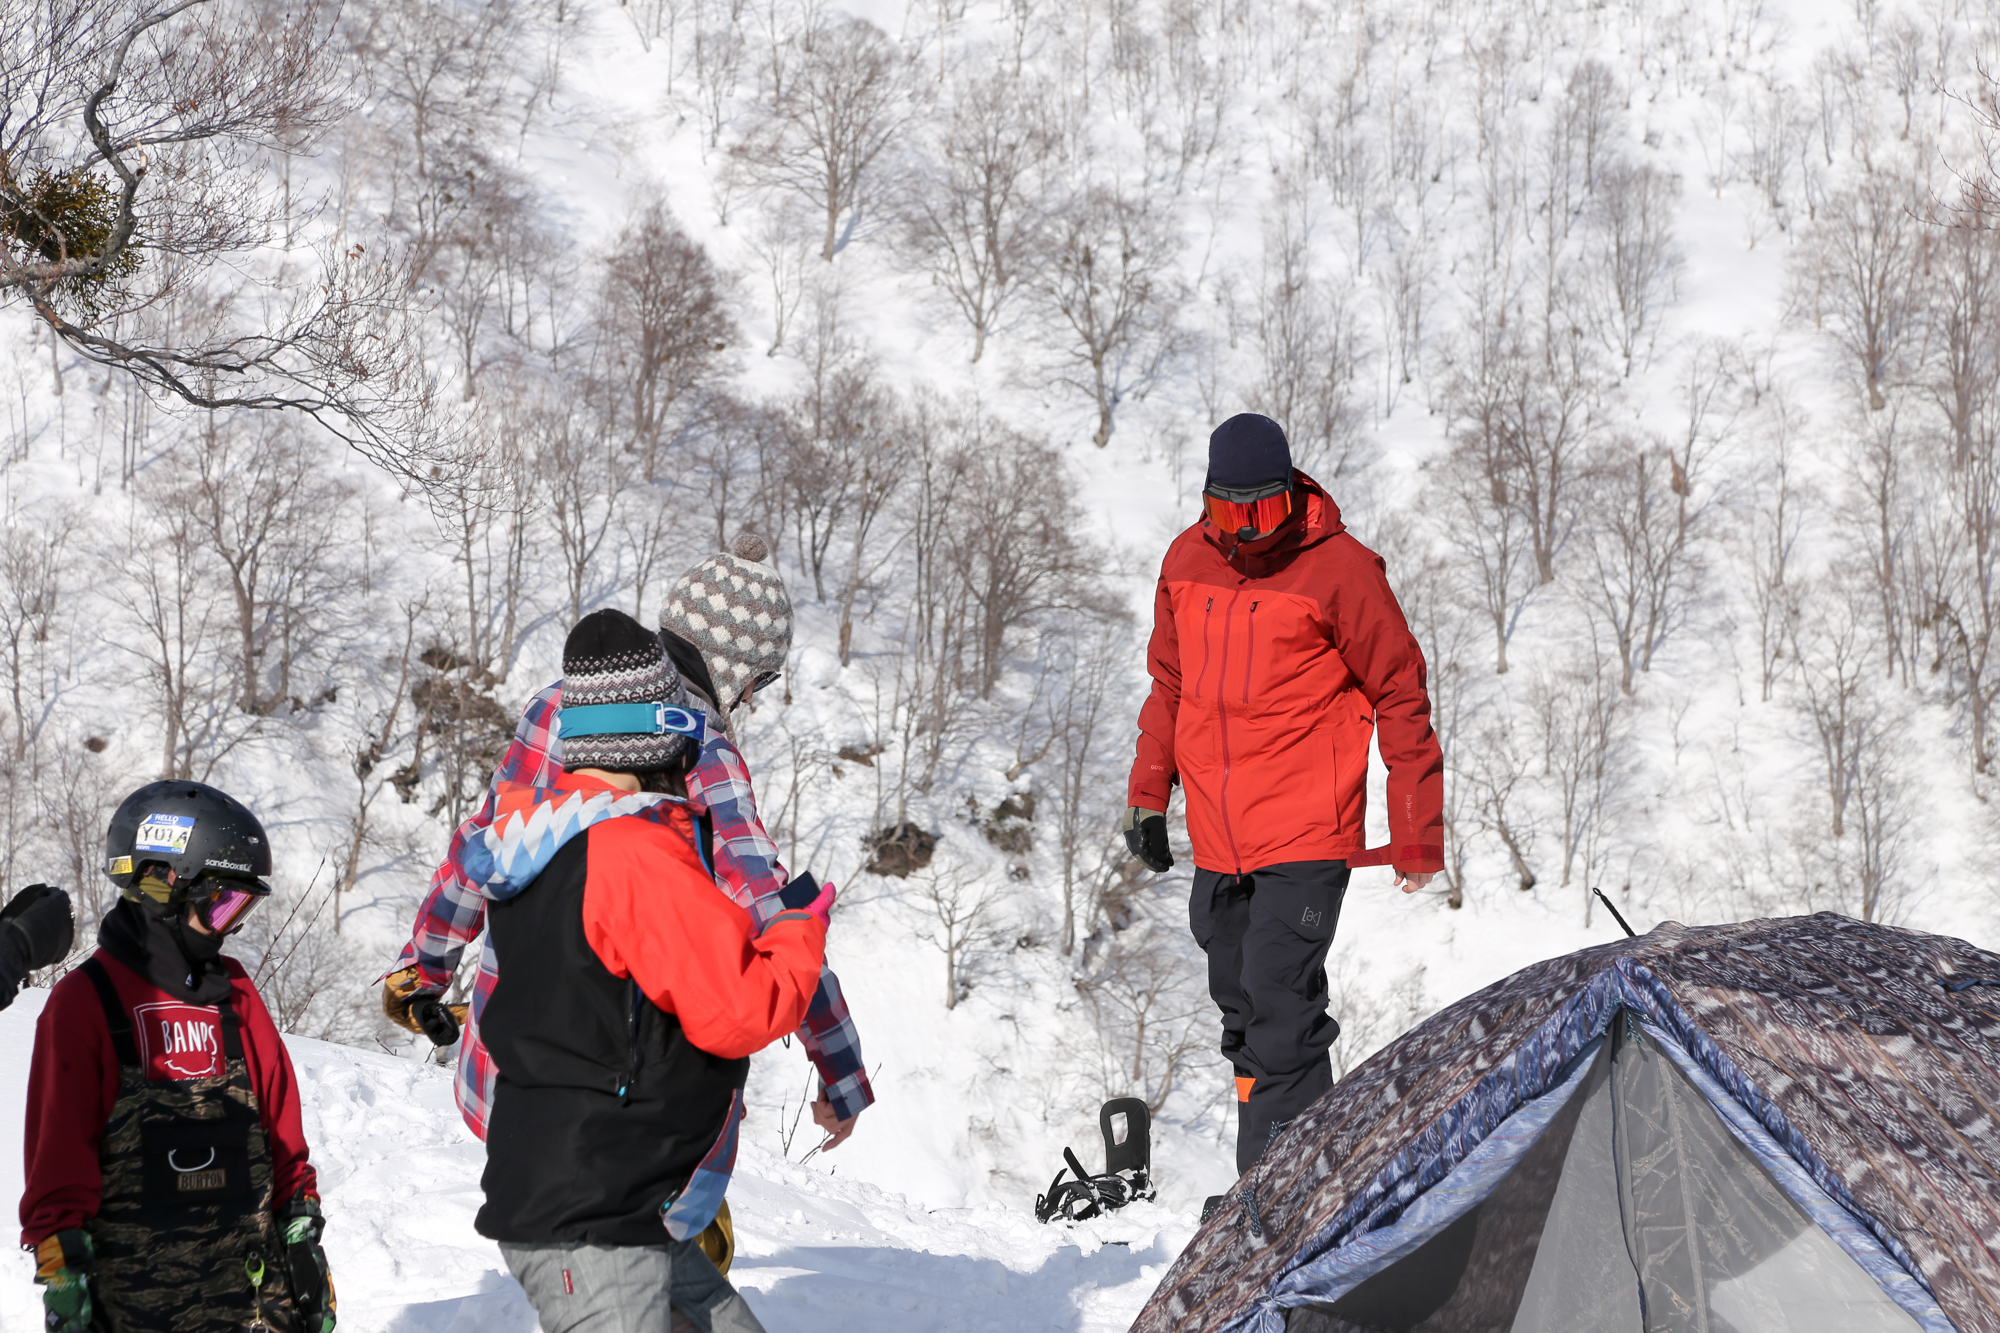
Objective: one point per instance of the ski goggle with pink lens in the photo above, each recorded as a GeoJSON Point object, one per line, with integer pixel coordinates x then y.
{"type": "Point", "coordinates": [1248, 512]}
{"type": "Point", "coordinates": [224, 910]}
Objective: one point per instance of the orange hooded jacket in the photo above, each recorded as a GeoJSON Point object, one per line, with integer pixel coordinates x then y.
{"type": "Point", "coordinates": [1272, 663]}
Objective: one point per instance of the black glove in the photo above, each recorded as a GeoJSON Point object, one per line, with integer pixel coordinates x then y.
{"type": "Point", "coordinates": [306, 1269]}
{"type": "Point", "coordinates": [434, 1018]}
{"type": "Point", "coordinates": [40, 914]}
{"type": "Point", "coordinates": [1146, 835]}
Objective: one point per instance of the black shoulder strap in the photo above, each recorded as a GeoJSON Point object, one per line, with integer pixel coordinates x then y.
{"type": "Point", "coordinates": [232, 1041]}
{"type": "Point", "coordinates": [115, 1016]}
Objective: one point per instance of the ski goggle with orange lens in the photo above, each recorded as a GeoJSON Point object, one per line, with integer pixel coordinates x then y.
{"type": "Point", "coordinates": [1259, 508]}
{"type": "Point", "coordinates": [225, 909]}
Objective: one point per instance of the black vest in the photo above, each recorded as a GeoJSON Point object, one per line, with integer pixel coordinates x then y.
{"type": "Point", "coordinates": [602, 1107]}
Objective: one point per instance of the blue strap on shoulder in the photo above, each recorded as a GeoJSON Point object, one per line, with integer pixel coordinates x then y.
{"type": "Point", "coordinates": [640, 719]}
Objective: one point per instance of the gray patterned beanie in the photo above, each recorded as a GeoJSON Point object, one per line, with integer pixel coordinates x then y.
{"type": "Point", "coordinates": [734, 609]}
{"type": "Point", "coordinates": [610, 658]}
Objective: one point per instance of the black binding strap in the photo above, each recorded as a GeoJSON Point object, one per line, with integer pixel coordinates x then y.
{"type": "Point", "coordinates": [115, 1016]}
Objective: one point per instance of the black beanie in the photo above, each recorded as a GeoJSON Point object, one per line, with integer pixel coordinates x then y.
{"type": "Point", "coordinates": [610, 658]}
{"type": "Point", "coordinates": [1248, 450]}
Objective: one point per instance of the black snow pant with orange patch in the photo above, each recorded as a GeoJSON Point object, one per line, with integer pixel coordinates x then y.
{"type": "Point", "coordinates": [1266, 934]}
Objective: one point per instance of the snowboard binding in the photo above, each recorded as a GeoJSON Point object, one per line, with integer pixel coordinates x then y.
{"type": "Point", "coordinates": [1128, 1167]}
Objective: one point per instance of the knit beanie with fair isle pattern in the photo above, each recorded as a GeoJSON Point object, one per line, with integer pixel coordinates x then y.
{"type": "Point", "coordinates": [734, 609]}
{"type": "Point", "coordinates": [610, 658]}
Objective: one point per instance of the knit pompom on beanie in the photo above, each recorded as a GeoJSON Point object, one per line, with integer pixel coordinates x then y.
{"type": "Point", "coordinates": [610, 658]}
{"type": "Point", "coordinates": [734, 609]}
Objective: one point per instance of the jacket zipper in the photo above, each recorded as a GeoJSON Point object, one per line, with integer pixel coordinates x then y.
{"type": "Point", "coordinates": [1249, 647]}
{"type": "Point", "coordinates": [1222, 712]}
{"type": "Point", "coordinates": [632, 1050]}
{"type": "Point", "coordinates": [1207, 617]}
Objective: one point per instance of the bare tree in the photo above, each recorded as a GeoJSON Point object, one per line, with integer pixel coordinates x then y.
{"type": "Point", "coordinates": [1856, 729]}
{"type": "Point", "coordinates": [1151, 1011]}
{"type": "Point", "coordinates": [1498, 766]}
{"type": "Point", "coordinates": [36, 576]}
{"type": "Point", "coordinates": [1883, 499]}
{"type": "Point", "coordinates": [828, 121]}
{"type": "Point", "coordinates": [486, 521]}
{"type": "Point", "coordinates": [259, 499]}
{"type": "Point", "coordinates": [35, 560]}
{"type": "Point", "coordinates": [1645, 567]}
{"type": "Point", "coordinates": [1841, 714]}
{"type": "Point", "coordinates": [1015, 557]}
{"type": "Point", "coordinates": [962, 905]}
{"type": "Point", "coordinates": [1484, 515]}
{"type": "Point", "coordinates": [386, 730]}
{"type": "Point", "coordinates": [1446, 624]}
{"type": "Point", "coordinates": [1860, 277]}
{"type": "Point", "coordinates": [1777, 522]}
{"type": "Point", "coordinates": [971, 214]}
{"type": "Point", "coordinates": [1583, 726]}
{"type": "Point", "coordinates": [877, 477]}
{"type": "Point", "coordinates": [1111, 297]}
{"type": "Point", "coordinates": [1640, 260]}
{"type": "Point", "coordinates": [134, 193]}
{"type": "Point", "coordinates": [1310, 352]}
{"type": "Point", "coordinates": [170, 626]}
{"type": "Point", "coordinates": [662, 324]}
{"type": "Point", "coordinates": [1084, 700]}
{"type": "Point", "coordinates": [580, 474]}
{"type": "Point", "coordinates": [838, 450]}
{"type": "Point", "coordinates": [482, 264]}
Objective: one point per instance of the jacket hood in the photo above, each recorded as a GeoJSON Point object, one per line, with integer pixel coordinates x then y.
{"type": "Point", "coordinates": [531, 823]}
{"type": "Point", "coordinates": [1312, 521]}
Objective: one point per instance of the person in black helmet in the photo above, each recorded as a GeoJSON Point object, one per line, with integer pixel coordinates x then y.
{"type": "Point", "coordinates": [168, 1184]}
{"type": "Point", "coordinates": [36, 931]}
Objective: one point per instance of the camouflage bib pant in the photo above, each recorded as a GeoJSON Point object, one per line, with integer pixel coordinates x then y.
{"type": "Point", "coordinates": [184, 1231]}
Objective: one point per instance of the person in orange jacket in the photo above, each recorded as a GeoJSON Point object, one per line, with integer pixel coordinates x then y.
{"type": "Point", "coordinates": [1278, 650]}
{"type": "Point", "coordinates": [629, 998]}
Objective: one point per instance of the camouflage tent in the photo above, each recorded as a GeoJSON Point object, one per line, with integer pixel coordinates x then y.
{"type": "Point", "coordinates": [1771, 1125]}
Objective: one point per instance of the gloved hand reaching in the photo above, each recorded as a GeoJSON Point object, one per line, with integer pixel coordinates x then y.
{"type": "Point", "coordinates": [40, 916]}
{"type": "Point", "coordinates": [411, 1005]}
{"type": "Point", "coordinates": [62, 1269]}
{"type": "Point", "coordinates": [306, 1269]}
{"type": "Point", "coordinates": [1146, 834]}
{"type": "Point", "coordinates": [36, 929]}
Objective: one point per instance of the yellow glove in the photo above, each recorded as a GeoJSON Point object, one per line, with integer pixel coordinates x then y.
{"type": "Point", "coordinates": [411, 1005]}
{"type": "Point", "coordinates": [718, 1240]}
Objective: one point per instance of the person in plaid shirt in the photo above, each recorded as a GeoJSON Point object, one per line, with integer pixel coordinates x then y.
{"type": "Point", "coordinates": [728, 628]}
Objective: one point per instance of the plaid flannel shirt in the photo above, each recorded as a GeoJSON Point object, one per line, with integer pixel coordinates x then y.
{"type": "Point", "coordinates": [746, 868]}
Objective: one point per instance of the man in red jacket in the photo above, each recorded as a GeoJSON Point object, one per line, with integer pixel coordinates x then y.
{"type": "Point", "coordinates": [1277, 651]}
{"type": "Point", "coordinates": [168, 1187]}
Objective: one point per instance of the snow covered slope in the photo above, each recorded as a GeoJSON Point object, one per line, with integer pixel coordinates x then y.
{"type": "Point", "coordinates": [816, 1251]}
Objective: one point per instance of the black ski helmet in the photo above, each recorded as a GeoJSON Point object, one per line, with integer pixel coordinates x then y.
{"type": "Point", "coordinates": [190, 828]}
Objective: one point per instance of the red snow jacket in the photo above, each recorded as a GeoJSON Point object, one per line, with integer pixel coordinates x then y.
{"type": "Point", "coordinates": [73, 1081]}
{"type": "Point", "coordinates": [1272, 663]}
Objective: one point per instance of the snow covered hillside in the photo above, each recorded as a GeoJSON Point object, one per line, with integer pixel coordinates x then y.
{"type": "Point", "coordinates": [815, 1251]}
{"type": "Point", "coordinates": [1652, 343]}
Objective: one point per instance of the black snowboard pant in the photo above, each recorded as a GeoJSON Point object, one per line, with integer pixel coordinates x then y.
{"type": "Point", "coordinates": [1266, 934]}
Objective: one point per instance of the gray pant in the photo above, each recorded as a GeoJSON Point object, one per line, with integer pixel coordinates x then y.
{"type": "Point", "coordinates": [627, 1288]}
